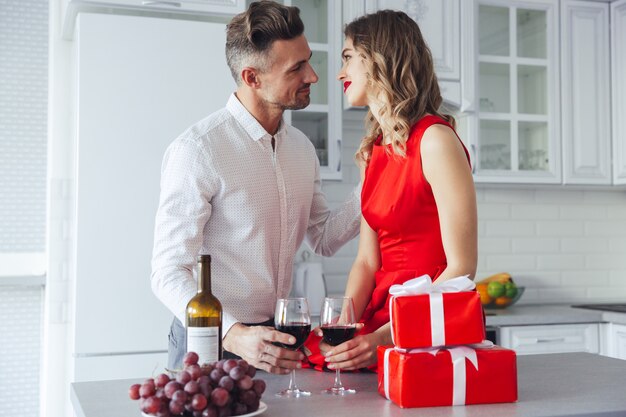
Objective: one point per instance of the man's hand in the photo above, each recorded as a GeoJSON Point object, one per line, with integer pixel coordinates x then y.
{"type": "Point", "coordinates": [254, 344]}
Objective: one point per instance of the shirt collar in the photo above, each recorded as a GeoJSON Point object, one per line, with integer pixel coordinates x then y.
{"type": "Point", "coordinates": [248, 122]}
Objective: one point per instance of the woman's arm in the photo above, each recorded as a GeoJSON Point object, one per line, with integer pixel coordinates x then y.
{"type": "Point", "coordinates": [447, 171]}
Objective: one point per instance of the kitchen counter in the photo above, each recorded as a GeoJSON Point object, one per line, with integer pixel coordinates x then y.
{"type": "Point", "coordinates": [610, 317]}
{"type": "Point", "coordinates": [526, 315]}
{"type": "Point", "coordinates": [568, 384]}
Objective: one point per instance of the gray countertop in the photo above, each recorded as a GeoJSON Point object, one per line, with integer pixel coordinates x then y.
{"type": "Point", "coordinates": [549, 314]}
{"type": "Point", "coordinates": [567, 384]}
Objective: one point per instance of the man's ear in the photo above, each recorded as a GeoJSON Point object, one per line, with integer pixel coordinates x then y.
{"type": "Point", "coordinates": [250, 77]}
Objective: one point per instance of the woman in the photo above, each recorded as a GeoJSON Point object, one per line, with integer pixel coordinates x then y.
{"type": "Point", "coordinates": [418, 198]}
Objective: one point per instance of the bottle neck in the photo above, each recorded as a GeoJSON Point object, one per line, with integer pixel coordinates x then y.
{"type": "Point", "coordinates": [204, 276]}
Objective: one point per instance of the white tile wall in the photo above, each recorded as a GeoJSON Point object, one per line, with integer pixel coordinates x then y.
{"type": "Point", "coordinates": [23, 167]}
{"type": "Point", "coordinates": [20, 358]}
{"type": "Point", "coordinates": [23, 123]}
{"type": "Point", "coordinates": [562, 245]}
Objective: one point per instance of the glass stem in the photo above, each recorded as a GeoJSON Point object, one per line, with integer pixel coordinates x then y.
{"type": "Point", "coordinates": [338, 384]}
{"type": "Point", "coordinates": [292, 381]}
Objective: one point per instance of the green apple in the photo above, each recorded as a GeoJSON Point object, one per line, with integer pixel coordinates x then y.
{"type": "Point", "coordinates": [510, 290]}
{"type": "Point", "coordinates": [495, 289]}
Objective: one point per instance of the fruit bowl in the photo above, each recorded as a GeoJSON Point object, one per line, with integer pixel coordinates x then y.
{"type": "Point", "coordinates": [262, 408]}
{"type": "Point", "coordinates": [503, 301]}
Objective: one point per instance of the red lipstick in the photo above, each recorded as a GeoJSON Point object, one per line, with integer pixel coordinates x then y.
{"type": "Point", "coordinates": [346, 85]}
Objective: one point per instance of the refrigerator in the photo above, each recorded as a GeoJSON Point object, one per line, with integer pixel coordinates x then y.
{"type": "Point", "coordinates": [139, 82]}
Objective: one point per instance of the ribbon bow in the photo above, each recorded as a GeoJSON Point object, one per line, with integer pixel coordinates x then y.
{"type": "Point", "coordinates": [424, 285]}
{"type": "Point", "coordinates": [458, 354]}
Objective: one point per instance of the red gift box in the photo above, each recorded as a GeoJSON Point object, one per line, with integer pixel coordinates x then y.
{"type": "Point", "coordinates": [426, 320]}
{"type": "Point", "coordinates": [447, 376]}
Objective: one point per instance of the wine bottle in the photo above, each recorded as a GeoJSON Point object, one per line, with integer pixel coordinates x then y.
{"type": "Point", "coordinates": [204, 317]}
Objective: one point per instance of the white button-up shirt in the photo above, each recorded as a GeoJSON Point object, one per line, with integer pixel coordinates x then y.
{"type": "Point", "coordinates": [227, 193]}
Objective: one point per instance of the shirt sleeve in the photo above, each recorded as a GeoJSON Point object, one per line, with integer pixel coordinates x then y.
{"type": "Point", "coordinates": [187, 186]}
{"type": "Point", "coordinates": [228, 321]}
{"type": "Point", "coordinates": [328, 230]}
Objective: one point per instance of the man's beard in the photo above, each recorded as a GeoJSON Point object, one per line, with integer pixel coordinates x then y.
{"type": "Point", "coordinates": [300, 101]}
{"type": "Point", "coordinates": [297, 104]}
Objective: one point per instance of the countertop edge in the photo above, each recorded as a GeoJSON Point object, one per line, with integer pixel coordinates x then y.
{"type": "Point", "coordinates": [531, 314]}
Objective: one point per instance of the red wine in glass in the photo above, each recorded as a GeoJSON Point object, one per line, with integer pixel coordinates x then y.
{"type": "Point", "coordinates": [292, 317]}
{"type": "Point", "coordinates": [298, 330]}
{"type": "Point", "coordinates": [338, 324]}
{"type": "Point", "coordinates": [336, 335]}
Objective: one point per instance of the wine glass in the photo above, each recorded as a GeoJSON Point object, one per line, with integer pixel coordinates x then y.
{"type": "Point", "coordinates": [292, 317]}
{"type": "Point", "coordinates": [338, 325]}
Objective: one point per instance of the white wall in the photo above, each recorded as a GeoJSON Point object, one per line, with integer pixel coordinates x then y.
{"type": "Point", "coordinates": [563, 245]}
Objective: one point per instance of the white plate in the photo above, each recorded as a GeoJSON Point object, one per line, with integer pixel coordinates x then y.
{"type": "Point", "coordinates": [261, 409]}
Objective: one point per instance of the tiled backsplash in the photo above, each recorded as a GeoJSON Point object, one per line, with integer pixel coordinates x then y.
{"type": "Point", "coordinates": [562, 245]}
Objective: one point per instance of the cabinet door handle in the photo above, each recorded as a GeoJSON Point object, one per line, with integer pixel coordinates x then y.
{"type": "Point", "coordinates": [338, 155]}
{"type": "Point", "coordinates": [160, 3]}
{"type": "Point", "coordinates": [473, 157]}
{"type": "Point", "coordinates": [550, 340]}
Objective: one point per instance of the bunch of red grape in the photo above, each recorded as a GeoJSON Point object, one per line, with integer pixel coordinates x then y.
{"type": "Point", "coordinates": [221, 389]}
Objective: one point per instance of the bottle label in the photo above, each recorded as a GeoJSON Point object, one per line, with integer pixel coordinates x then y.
{"type": "Point", "coordinates": [204, 341]}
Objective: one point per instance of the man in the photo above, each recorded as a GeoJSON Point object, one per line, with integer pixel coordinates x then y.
{"type": "Point", "coordinates": [244, 186]}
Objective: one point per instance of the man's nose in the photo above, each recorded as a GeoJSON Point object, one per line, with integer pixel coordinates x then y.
{"type": "Point", "coordinates": [311, 76]}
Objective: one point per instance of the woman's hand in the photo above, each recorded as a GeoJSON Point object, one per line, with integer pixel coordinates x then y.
{"type": "Point", "coordinates": [359, 352]}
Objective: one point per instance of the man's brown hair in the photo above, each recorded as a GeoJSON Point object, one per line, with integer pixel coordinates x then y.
{"type": "Point", "coordinates": [250, 35]}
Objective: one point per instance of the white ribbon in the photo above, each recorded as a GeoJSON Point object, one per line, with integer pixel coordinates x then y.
{"type": "Point", "coordinates": [459, 372]}
{"type": "Point", "coordinates": [458, 354]}
{"type": "Point", "coordinates": [424, 285]}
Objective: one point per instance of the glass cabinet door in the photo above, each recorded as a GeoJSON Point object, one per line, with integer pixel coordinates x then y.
{"type": "Point", "coordinates": [516, 90]}
{"type": "Point", "coordinates": [321, 120]}
{"type": "Point", "coordinates": [315, 126]}
{"type": "Point", "coordinates": [314, 16]}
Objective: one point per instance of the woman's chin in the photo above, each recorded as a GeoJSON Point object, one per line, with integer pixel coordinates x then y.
{"type": "Point", "coordinates": [356, 103]}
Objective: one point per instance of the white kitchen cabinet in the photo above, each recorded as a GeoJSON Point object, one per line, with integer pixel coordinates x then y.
{"type": "Point", "coordinates": [543, 91]}
{"type": "Point", "coordinates": [321, 120]}
{"type": "Point", "coordinates": [614, 340]}
{"type": "Point", "coordinates": [138, 87]}
{"type": "Point", "coordinates": [516, 132]}
{"type": "Point", "coordinates": [226, 7]}
{"type": "Point", "coordinates": [557, 338]}
{"type": "Point", "coordinates": [439, 21]}
{"type": "Point", "coordinates": [618, 89]}
{"type": "Point", "coordinates": [206, 10]}
{"type": "Point", "coordinates": [586, 92]}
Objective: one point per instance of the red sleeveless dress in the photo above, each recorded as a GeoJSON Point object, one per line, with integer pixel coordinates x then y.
{"type": "Point", "coordinates": [398, 204]}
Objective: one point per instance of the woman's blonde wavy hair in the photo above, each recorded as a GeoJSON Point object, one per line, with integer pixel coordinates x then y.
{"type": "Point", "coordinates": [401, 74]}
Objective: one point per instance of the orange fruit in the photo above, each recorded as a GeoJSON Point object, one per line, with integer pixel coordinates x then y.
{"type": "Point", "coordinates": [502, 301]}
{"type": "Point", "coordinates": [485, 298]}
